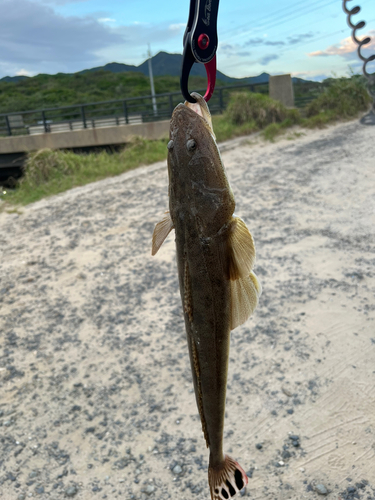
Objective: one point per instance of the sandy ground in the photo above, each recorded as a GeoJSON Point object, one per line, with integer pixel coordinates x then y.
{"type": "Point", "coordinates": [96, 397]}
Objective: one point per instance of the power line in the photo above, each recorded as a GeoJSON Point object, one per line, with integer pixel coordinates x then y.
{"type": "Point", "coordinates": [287, 18]}
{"type": "Point", "coordinates": [311, 7]}
{"type": "Point", "coordinates": [327, 35]}
{"type": "Point", "coordinates": [224, 32]}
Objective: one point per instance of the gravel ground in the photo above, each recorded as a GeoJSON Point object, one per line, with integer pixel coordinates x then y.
{"type": "Point", "coordinates": [96, 397]}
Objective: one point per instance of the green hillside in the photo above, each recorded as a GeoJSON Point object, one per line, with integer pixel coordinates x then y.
{"type": "Point", "coordinates": [116, 81]}
{"type": "Point", "coordinates": [44, 91]}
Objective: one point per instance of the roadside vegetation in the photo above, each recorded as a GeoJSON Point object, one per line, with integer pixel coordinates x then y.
{"type": "Point", "coordinates": [341, 99]}
{"type": "Point", "coordinates": [50, 91]}
{"type": "Point", "coordinates": [51, 172]}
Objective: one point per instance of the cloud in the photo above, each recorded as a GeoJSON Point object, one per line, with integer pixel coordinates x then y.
{"type": "Point", "coordinates": [230, 50]}
{"type": "Point", "coordinates": [263, 41]}
{"type": "Point", "coordinates": [347, 48]}
{"type": "Point", "coordinates": [106, 20]}
{"type": "Point", "coordinates": [274, 43]}
{"type": "Point", "coordinates": [61, 2]}
{"type": "Point", "coordinates": [254, 41]}
{"type": "Point", "coordinates": [267, 59]}
{"type": "Point", "coordinates": [24, 72]}
{"type": "Point", "coordinates": [293, 40]}
{"type": "Point", "coordinates": [33, 36]}
{"type": "Point", "coordinates": [316, 76]}
{"type": "Point", "coordinates": [37, 39]}
{"type": "Point", "coordinates": [177, 27]}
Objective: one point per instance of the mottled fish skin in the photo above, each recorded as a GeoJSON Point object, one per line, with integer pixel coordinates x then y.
{"type": "Point", "coordinates": [201, 202]}
{"type": "Point", "coordinates": [201, 206]}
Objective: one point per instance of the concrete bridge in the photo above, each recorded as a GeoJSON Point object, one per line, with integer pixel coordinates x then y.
{"type": "Point", "coordinates": [107, 123]}
{"type": "Point", "coordinates": [91, 136]}
{"type": "Point", "coordinates": [14, 149]}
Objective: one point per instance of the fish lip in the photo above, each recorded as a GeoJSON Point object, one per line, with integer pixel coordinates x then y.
{"type": "Point", "coordinates": [182, 119]}
{"type": "Point", "coordinates": [184, 109]}
{"type": "Point", "coordinates": [182, 112]}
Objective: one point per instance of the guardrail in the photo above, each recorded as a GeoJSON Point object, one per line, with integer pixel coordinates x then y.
{"type": "Point", "coordinates": [109, 113]}
{"type": "Point", "coordinates": [106, 113]}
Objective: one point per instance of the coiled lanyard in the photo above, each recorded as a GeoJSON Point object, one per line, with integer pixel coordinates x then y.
{"type": "Point", "coordinates": [370, 76]}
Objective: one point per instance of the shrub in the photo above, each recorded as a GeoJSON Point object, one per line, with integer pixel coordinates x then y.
{"type": "Point", "coordinates": [245, 107]}
{"type": "Point", "coordinates": [345, 97]}
{"type": "Point", "coordinates": [42, 165]}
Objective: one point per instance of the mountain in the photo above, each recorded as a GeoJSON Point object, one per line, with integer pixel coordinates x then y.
{"type": "Point", "coordinates": [112, 67]}
{"type": "Point", "coordinates": [163, 64]}
{"type": "Point", "coordinates": [14, 79]}
{"type": "Point", "coordinates": [114, 81]}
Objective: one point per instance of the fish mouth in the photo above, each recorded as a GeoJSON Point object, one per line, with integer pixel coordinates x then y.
{"type": "Point", "coordinates": [186, 113]}
{"type": "Point", "coordinates": [201, 108]}
{"type": "Point", "coordinates": [182, 119]}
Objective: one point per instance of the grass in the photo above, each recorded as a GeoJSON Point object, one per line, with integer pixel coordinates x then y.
{"type": "Point", "coordinates": [225, 129]}
{"type": "Point", "coordinates": [249, 112]}
{"type": "Point", "coordinates": [50, 172]}
{"type": "Point", "coordinates": [343, 98]}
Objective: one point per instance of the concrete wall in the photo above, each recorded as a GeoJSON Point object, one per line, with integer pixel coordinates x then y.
{"type": "Point", "coordinates": [281, 89]}
{"type": "Point", "coordinates": [82, 138]}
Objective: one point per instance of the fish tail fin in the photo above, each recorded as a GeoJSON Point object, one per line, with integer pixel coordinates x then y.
{"type": "Point", "coordinates": [226, 479]}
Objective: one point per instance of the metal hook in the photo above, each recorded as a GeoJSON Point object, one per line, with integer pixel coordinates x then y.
{"type": "Point", "coordinates": [188, 62]}
{"type": "Point", "coordinates": [200, 44]}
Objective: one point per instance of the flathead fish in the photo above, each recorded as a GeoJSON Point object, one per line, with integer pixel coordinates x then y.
{"type": "Point", "coordinates": [215, 257]}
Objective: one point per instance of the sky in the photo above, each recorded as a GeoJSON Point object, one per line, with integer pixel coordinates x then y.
{"type": "Point", "coordinates": [307, 38]}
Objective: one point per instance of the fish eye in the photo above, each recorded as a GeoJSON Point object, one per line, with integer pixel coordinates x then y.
{"type": "Point", "coordinates": [170, 145]}
{"type": "Point", "coordinates": [191, 145]}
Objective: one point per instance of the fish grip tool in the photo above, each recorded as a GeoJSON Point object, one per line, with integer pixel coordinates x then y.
{"type": "Point", "coordinates": [200, 44]}
{"type": "Point", "coordinates": [366, 60]}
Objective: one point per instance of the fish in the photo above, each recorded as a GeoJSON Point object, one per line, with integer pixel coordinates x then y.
{"type": "Point", "coordinates": [215, 258]}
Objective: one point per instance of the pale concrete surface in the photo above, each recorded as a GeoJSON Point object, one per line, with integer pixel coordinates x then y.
{"type": "Point", "coordinates": [281, 89]}
{"type": "Point", "coordinates": [96, 395]}
{"type": "Point", "coordinates": [83, 138]}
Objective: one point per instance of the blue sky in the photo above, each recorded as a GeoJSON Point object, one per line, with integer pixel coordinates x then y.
{"type": "Point", "coordinates": [309, 39]}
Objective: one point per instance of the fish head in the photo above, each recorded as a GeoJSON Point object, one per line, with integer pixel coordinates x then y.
{"type": "Point", "coordinates": [198, 185]}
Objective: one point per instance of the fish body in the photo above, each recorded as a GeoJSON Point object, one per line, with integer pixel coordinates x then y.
{"type": "Point", "coordinates": [215, 256]}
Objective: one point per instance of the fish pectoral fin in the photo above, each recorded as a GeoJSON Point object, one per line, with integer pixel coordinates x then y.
{"type": "Point", "coordinates": [161, 231]}
{"type": "Point", "coordinates": [226, 480]}
{"type": "Point", "coordinates": [241, 249]}
{"type": "Point", "coordinates": [245, 293]}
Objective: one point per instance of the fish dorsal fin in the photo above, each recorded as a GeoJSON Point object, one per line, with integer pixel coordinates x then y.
{"type": "Point", "coordinates": [245, 293]}
{"type": "Point", "coordinates": [161, 231]}
{"type": "Point", "coordinates": [241, 249]}
{"type": "Point", "coordinates": [226, 480]}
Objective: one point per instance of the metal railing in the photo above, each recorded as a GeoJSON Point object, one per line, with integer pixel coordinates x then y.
{"type": "Point", "coordinates": [110, 113]}
{"type": "Point", "coordinates": [107, 113]}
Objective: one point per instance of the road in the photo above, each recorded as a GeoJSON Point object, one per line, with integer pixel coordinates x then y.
{"type": "Point", "coordinates": [96, 397]}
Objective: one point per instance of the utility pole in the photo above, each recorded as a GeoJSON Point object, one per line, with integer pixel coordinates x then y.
{"type": "Point", "coordinates": [154, 105]}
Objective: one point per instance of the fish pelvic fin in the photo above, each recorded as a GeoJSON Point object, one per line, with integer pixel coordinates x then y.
{"type": "Point", "coordinates": [226, 480]}
{"type": "Point", "coordinates": [161, 231]}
